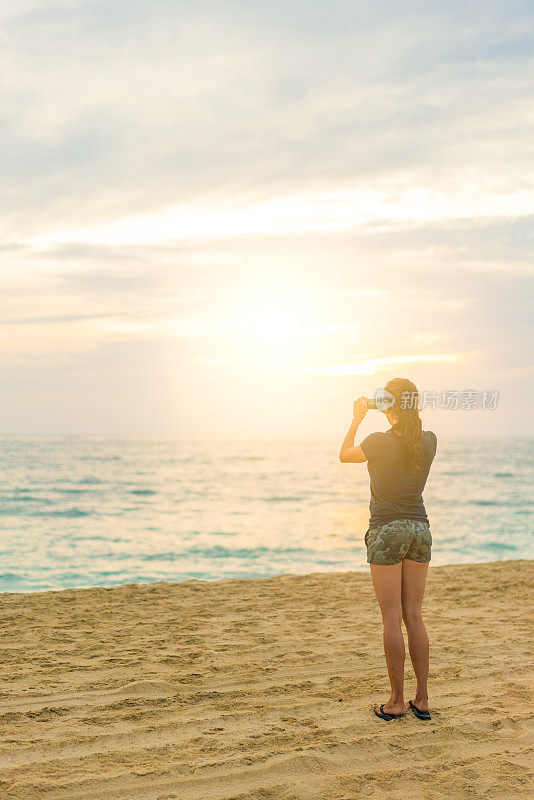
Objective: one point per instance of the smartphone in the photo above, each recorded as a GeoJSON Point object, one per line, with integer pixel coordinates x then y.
{"type": "Point", "coordinates": [371, 402]}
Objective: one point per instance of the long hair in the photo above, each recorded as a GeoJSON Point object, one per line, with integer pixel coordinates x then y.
{"type": "Point", "coordinates": [409, 425]}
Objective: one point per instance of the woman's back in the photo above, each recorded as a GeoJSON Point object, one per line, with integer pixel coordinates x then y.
{"type": "Point", "coordinates": [396, 490]}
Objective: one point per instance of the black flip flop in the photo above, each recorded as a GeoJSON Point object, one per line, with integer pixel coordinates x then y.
{"type": "Point", "coordinates": [419, 713]}
{"type": "Point", "coordinates": [386, 715]}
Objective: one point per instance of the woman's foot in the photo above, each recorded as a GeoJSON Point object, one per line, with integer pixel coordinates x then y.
{"type": "Point", "coordinates": [421, 703]}
{"type": "Point", "coordinates": [395, 707]}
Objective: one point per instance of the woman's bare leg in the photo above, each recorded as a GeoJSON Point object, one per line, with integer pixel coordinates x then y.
{"type": "Point", "coordinates": [387, 581]}
{"type": "Point", "coordinates": [413, 588]}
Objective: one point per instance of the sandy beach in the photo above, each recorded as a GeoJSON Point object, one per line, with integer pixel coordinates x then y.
{"type": "Point", "coordinates": [263, 689]}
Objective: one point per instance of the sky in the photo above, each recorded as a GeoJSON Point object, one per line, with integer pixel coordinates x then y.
{"type": "Point", "coordinates": [231, 219]}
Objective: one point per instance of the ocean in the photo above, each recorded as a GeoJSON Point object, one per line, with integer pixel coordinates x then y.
{"type": "Point", "coordinates": [82, 511]}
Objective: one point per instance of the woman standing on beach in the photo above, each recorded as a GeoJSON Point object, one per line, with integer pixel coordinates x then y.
{"type": "Point", "coordinates": [398, 539]}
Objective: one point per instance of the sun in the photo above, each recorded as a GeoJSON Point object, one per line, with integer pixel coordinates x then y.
{"type": "Point", "coordinates": [272, 327]}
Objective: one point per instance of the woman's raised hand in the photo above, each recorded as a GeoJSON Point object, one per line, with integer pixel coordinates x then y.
{"type": "Point", "coordinates": [360, 409]}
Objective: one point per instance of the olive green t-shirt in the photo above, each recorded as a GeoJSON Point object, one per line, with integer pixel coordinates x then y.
{"type": "Point", "coordinates": [396, 491]}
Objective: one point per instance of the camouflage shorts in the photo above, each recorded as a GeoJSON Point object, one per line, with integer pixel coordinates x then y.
{"type": "Point", "coordinates": [398, 539]}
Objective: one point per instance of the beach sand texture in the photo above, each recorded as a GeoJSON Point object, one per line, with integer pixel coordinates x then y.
{"type": "Point", "coordinates": [263, 689]}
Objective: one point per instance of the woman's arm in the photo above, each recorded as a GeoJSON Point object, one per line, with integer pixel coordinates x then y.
{"type": "Point", "coordinates": [348, 452]}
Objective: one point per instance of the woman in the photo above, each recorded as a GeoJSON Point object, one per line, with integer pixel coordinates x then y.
{"type": "Point", "coordinates": [398, 539]}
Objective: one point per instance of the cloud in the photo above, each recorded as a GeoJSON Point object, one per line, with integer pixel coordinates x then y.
{"type": "Point", "coordinates": [50, 320]}
{"type": "Point", "coordinates": [372, 366]}
{"type": "Point", "coordinates": [114, 110]}
{"type": "Point", "coordinates": [168, 166]}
